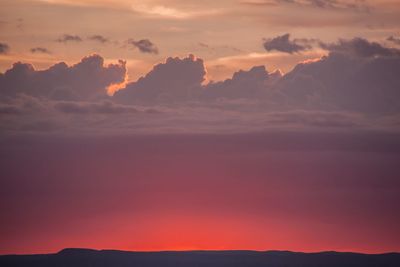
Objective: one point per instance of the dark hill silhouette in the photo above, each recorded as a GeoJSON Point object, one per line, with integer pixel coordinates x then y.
{"type": "Point", "coordinates": [113, 258]}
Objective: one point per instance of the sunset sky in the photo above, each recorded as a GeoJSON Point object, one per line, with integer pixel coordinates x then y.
{"type": "Point", "coordinates": [180, 125]}
{"type": "Point", "coordinates": [227, 34]}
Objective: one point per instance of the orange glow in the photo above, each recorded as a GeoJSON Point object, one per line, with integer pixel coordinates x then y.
{"type": "Point", "coordinates": [117, 86]}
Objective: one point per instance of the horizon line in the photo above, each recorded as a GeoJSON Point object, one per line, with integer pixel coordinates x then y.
{"type": "Point", "coordinates": [199, 250]}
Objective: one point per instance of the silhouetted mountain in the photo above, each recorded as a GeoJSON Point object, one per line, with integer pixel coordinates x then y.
{"type": "Point", "coordinates": [104, 258]}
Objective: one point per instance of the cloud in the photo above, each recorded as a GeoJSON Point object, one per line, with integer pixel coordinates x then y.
{"type": "Point", "coordinates": [219, 49]}
{"type": "Point", "coordinates": [335, 4]}
{"type": "Point", "coordinates": [358, 5]}
{"type": "Point", "coordinates": [4, 48]}
{"type": "Point", "coordinates": [243, 84]}
{"type": "Point", "coordinates": [284, 44]}
{"type": "Point", "coordinates": [394, 40]}
{"type": "Point", "coordinates": [161, 11]}
{"type": "Point", "coordinates": [339, 81]}
{"type": "Point", "coordinates": [169, 12]}
{"type": "Point", "coordinates": [41, 50]}
{"type": "Point", "coordinates": [8, 109]}
{"type": "Point", "coordinates": [69, 38]}
{"type": "Point", "coordinates": [175, 80]}
{"type": "Point", "coordinates": [84, 80]}
{"type": "Point", "coordinates": [99, 38]}
{"type": "Point", "coordinates": [354, 87]}
{"type": "Point", "coordinates": [22, 104]}
{"type": "Point", "coordinates": [357, 75]}
{"type": "Point", "coordinates": [144, 46]}
{"type": "Point", "coordinates": [359, 47]}
{"type": "Point", "coordinates": [103, 107]}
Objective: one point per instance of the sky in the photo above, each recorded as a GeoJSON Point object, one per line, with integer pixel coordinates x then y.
{"type": "Point", "coordinates": [181, 125]}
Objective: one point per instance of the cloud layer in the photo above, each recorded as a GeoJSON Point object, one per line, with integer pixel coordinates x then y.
{"type": "Point", "coordinates": [355, 86]}
{"type": "Point", "coordinates": [358, 5]}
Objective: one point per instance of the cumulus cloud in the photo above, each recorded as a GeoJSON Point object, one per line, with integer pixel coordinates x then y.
{"type": "Point", "coordinates": [243, 84]}
{"type": "Point", "coordinates": [4, 48]}
{"type": "Point", "coordinates": [360, 47]}
{"type": "Point", "coordinates": [69, 38]}
{"type": "Point", "coordinates": [357, 75]}
{"type": "Point", "coordinates": [99, 38]}
{"type": "Point", "coordinates": [86, 79]}
{"type": "Point", "coordinates": [175, 80]}
{"type": "Point", "coordinates": [40, 50]}
{"type": "Point", "coordinates": [144, 46]}
{"type": "Point", "coordinates": [283, 43]}
{"type": "Point", "coordinates": [355, 86]}
{"type": "Point", "coordinates": [368, 85]}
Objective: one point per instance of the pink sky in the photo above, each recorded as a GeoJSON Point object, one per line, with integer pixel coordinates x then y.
{"type": "Point", "coordinates": [178, 125]}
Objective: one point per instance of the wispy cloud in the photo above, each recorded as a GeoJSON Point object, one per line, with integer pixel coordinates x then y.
{"type": "Point", "coordinates": [69, 38]}
{"type": "Point", "coordinates": [41, 50]}
{"type": "Point", "coordinates": [360, 5]}
{"type": "Point", "coordinates": [169, 12]}
{"type": "Point", "coordinates": [4, 48]}
{"type": "Point", "coordinates": [144, 46]}
{"type": "Point", "coordinates": [98, 38]}
{"type": "Point", "coordinates": [284, 44]}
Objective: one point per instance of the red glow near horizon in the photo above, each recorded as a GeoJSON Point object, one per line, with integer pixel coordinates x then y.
{"type": "Point", "coordinates": [210, 194]}
{"type": "Point", "coordinates": [182, 234]}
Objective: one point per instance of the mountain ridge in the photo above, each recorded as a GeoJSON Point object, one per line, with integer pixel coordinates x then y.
{"type": "Point", "coordinates": [85, 257]}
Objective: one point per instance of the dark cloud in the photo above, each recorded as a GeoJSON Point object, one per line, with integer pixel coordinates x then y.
{"type": "Point", "coordinates": [362, 84]}
{"type": "Point", "coordinates": [69, 38]}
{"type": "Point", "coordinates": [357, 75]}
{"type": "Point", "coordinates": [175, 80]}
{"type": "Point", "coordinates": [394, 40]}
{"type": "Point", "coordinates": [360, 47]}
{"type": "Point", "coordinates": [9, 109]}
{"type": "Point", "coordinates": [284, 44]}
{"type": "Point", "coordinates": [41, 50]}
{"type": "Point", "coordinates": [22, 104]}
{"type": "Point", "coordinates": [4, 48]}
{"type": "Point", "coordinates": [357, 5]}
{"type": "Point", "coordinates": [99, 38]}
{"type": "Point", "coordinates": [103, 107]}
{"type": "Point", "coordinates": [356, 86]}
{"type": "Point", "coordinates": [89, 78]}
{"type": "Point", "coordinates": [144, 46]}
{"type": "Point", "coordinates": [243, 84]}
